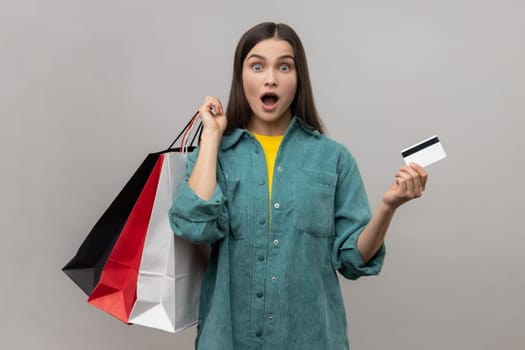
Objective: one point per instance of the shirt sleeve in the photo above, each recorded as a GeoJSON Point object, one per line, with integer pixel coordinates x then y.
{"type": "Point", "coordinates": [195, 219]}
{"type": "Point", "coordinates": [352, 214]}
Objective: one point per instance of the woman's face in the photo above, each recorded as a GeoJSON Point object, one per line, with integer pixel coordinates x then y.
{"type": "Point", "coordinates": [270, 81]}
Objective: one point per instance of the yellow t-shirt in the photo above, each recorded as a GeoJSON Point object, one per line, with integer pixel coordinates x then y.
{"type": "Point", "coordinates": [270, 146]}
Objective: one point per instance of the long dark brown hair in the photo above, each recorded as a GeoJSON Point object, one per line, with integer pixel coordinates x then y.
{"type": "Point", "coordinates": [303, 106]}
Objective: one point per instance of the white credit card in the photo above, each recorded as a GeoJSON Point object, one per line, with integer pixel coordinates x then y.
{"type": "Point", "coordinates": [425, 152]}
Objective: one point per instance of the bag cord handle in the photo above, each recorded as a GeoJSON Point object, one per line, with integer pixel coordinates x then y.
{"type": "Point", "coordinates": [186, 131]}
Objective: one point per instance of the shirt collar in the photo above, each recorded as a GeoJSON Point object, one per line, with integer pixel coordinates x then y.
{"type": "Point", "coordinates": [235, 136]}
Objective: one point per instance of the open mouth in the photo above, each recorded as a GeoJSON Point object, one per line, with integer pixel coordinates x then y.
{"type": "Point", "coordinates": [269, 99]}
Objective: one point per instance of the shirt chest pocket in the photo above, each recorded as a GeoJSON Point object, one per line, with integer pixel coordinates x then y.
{"type": "Point", "coordinates": [314, 195]}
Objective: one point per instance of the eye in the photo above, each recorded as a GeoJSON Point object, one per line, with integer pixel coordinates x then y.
{"type": "Point", "coordinates": [256, 67]}
{"type": "Point", "coordinates": [285, 67]}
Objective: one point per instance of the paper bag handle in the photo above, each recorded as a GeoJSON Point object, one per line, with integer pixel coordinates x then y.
{"type": "Point", "coordinates": [186, 131]}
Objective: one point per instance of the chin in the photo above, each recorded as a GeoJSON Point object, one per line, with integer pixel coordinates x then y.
{"type": "Point", "coordinates": [271, 117]}
{"type": "Point", "coordinates": [269, 120]}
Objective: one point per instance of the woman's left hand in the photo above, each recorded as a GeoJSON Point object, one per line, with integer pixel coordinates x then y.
{"type": "Point", "coordinates": [410, 183]}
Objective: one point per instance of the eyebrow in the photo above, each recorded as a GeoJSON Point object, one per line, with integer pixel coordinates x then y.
{"type": "Point", "coordinates": [264, 58]}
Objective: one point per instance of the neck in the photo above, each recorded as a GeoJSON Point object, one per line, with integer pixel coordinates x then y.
{"type": "Point", "coordinates": [270, 128]}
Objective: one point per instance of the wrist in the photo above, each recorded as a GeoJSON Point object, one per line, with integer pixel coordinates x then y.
{"type": "Point", "coordinates": [211, 136]}
{"type": "Point", "coordinates": [387, 208]}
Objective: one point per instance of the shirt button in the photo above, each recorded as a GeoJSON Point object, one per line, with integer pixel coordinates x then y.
{"type": "Point", "coordinates": [259, 295]}
{"type": "Point", "coordinates": [274, 278]}
{"type": "Point", "coordinates": [261, 257]}
{"type": "Point", "coordinates": [270, 317]}
{"type": "Point", "coordinates": [261, 182]}
{"type": "Point", "coordinates": [258, 333]}
{"type": "Point", "coordinates": [276, 205]}
{"type": "Point", "coordinates": [279, 168]}
{"type": "Point", "coordinates": [276, 242]}
{"type": "Point", "coordinates": [262, 221]}
{"type": "Point", "coordinates": [257, 151]}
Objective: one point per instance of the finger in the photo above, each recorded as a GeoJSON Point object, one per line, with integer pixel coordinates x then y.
{"type": "Point", "coordinates": [210, 103]}
{"type": "Point", "coordinates": [214, 109]}
{"type": "Point", "coordinates": [215, 103]}
{"type": "Point", "coordinates": [401, 183]}
{"type": "Point", "coordinates": [218, 107]}
{"type": "Point", "coordinates": [419, 175]}
{"type": "Point", "coordinates": [423, 175]}
{"type": "Point", "coordinates": [209, 106]}
{"type": "Point", "coordinates": [416, 178]}
{"type": "Point", "coordinates": [408, 181]}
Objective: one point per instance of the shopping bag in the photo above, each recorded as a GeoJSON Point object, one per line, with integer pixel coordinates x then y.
{"type": "Point", "coordinates": [116, 290]}
{"type": "Point", "coordinates": [171, 269]}
{"type": "Point", "coordinates": [86, 266]}
{"type": "Point", "coordinates": [106, 265]}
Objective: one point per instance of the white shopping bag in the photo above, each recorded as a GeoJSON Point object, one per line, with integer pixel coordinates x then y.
{"type": "Point", "coordinates": [171, 269]}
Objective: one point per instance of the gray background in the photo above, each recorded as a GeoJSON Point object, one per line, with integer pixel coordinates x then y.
{"type": "Point", "coordinates": [88, 88]}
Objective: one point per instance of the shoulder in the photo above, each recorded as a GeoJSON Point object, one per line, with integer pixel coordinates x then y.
{"type": "Point", "coordinates": [342, 154]}
{"type": "Point", "coordinates": [319, 151]}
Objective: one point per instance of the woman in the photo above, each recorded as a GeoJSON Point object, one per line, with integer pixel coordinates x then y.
{"type": "Point", "coordinates": [282, 205]}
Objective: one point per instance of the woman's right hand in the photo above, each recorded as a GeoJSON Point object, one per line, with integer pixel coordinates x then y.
{"type": "Point", "coordinates": [213, 122]}
{"type": "Point", "coordinates": [203, 178]}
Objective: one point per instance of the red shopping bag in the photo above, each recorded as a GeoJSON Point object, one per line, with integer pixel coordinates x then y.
{"type": "Point", "coordinates": [116, 290]}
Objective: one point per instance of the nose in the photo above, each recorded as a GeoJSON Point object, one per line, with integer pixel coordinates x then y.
{"type": "Point", "coordinates": [271, 78]}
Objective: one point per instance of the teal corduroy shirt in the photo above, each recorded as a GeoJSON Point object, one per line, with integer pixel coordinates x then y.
{"type": "Point", "coordinates": [275, 286]}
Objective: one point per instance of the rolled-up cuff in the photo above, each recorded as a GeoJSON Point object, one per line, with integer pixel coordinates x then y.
{"type": "Point", "coordinates": [354, 267]}
{"type": "Point", "coordinates": [351, 264]}
{"type": "Point", "coordinates": [191, 207]}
